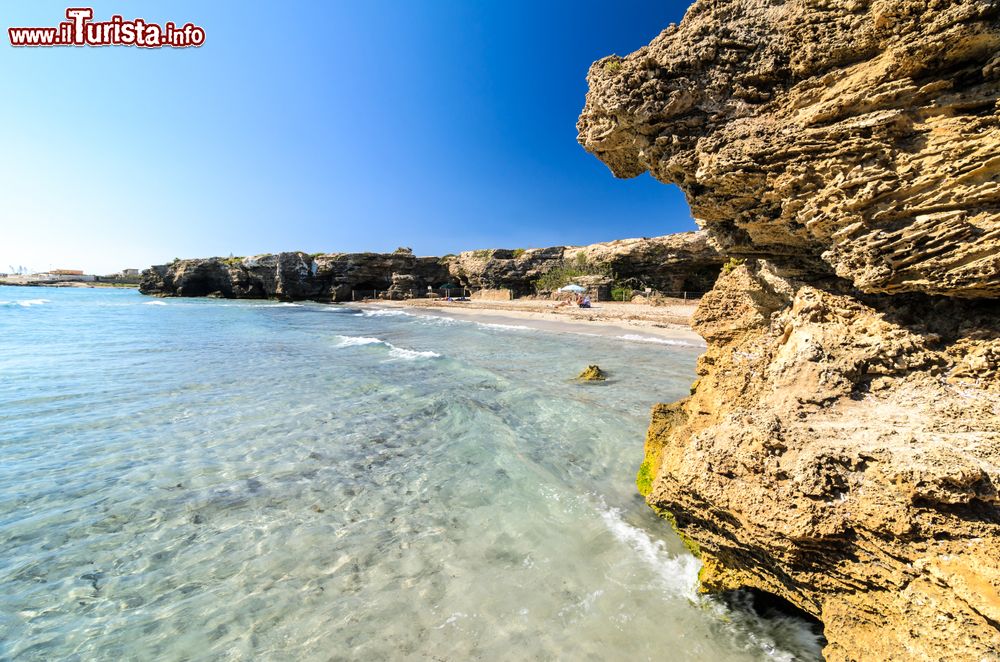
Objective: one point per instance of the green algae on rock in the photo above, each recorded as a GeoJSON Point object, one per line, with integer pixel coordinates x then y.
{"type": "Point", "coordinates": [593, 373]}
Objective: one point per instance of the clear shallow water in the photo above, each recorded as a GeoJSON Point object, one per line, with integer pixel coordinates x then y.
{"type": "Point", "coordinates": [196, 479]}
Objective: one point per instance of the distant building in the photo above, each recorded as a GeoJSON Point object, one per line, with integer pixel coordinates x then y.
{"type": "Point", "coordinates": [130, 272]}
{"type": "Point", "coordinates": [61, 276]}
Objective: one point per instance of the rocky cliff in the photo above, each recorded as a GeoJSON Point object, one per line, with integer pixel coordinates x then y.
{"type": "Point", "coordinates": [293, 276]}
{"type": "Point", "coordinates": [673, 263]}
{"type": "Point", "coordinates": [841, 446]}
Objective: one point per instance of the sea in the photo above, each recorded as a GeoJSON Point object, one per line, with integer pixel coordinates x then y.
{"type": "Point", "coordinates": [201, 479]}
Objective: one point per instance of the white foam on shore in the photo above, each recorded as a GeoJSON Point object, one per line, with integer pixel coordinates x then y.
{"type": "Point", "coordinates": [679, 574]}
{"type": "Point", "coordinates": [154, 303]}
{"type": "Point", "coordinates": [385, 312]}
{"type": "Point", "coordinates": [395, 352]}
{"type": "Point", "coordinates": [505, 327]}
{"type": "Point", "coordinates": [634, 337]}
{"type": "Point", "coordinates": [550, 326]}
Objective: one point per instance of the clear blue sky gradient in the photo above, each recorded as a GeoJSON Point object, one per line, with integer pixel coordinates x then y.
{"type": "Point", "coordinates": [444, 125]}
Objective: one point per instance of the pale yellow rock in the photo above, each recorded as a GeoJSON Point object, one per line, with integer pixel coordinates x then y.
{"type": "Point", "coordinates": [841, 446]}
{"type": "Point", "coordinates": [860, 139]}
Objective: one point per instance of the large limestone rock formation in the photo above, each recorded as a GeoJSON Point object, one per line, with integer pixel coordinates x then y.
{"type": "Point", "coordinates": [293, 276]}
{"type": "Point", "coordinates": [841, 447]}
{"type": "Point", "coordinates": [685, 261]}
{"type": "Point", "coordinates": [672, 263]}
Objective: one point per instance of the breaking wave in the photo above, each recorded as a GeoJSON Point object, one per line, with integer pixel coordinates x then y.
{"type": "Point", "coordinates": [26, 303]}
{"type": "Point", "coordinates": [634, 337]}
{"type": "Point", "coordinates": [395, 352]}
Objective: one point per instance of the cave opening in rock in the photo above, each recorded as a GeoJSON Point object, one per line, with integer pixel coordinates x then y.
{"type": "Point", "coordinates": [772, 610]}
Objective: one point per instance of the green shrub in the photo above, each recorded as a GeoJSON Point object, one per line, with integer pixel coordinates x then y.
{"type": "Point", "coordinates": [732, 264]}
{"type": "Point", "coordinates": [564, 274]}
{"type": "Point", "coordinates": [613, 66]}
{"type": "Point", "coordinates": [621, 293]}
{"type": "Point", "coordinates": [518, 252]}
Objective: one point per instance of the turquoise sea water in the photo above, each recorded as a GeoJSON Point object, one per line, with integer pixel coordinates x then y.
{"type": "Point", "coordinates": [189, 479]}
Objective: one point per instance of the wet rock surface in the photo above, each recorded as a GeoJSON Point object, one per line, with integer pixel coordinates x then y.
{"type": "Point", "coordinates": [592, 373]}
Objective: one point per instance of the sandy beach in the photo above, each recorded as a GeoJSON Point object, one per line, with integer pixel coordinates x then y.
{"type": "Point", "coordinates": [636, 321]}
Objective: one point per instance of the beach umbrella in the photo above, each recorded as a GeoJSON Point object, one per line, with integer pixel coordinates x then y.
{"type": "Point", "coordinates": [572, 287]}
{"type": "Point", "coordinates": [451, 286]}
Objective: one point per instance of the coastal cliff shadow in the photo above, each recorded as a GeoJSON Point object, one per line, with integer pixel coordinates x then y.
{"type": "Point", "coordinates": [943, 320]}
{"type": "Point", "coordinates": [773, 614]}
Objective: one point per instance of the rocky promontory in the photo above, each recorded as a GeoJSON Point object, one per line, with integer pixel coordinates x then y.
{"type": "Point", "coordinates": [673, 263]}
{"type": "Point", "coordinates": [841, 445]}
{"type": "Point", "coordinates": [291, 276]}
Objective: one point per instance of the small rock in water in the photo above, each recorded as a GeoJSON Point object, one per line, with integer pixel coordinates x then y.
{"type": "Point", "coordinates": [593, 373]}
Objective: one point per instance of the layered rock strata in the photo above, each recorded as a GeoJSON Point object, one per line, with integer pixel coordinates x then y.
{"type": "Point", "coordinates": [294, 276]}
{"type": "Point", "coordinates": [673, 263]}
{"type": "Point", "coordinates": [841, 446]}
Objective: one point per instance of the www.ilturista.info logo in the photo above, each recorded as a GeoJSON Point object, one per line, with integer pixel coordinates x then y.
{"type": "Point", "coordinates": [81, 30]}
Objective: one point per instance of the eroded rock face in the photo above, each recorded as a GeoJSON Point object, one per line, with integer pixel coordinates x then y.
{"type": "Point", "coordinates": [294, 276]}
{"type": "Point", "coordinates": [841, 446]}
{"type": "Point", "coordinates": [673, 263]}
{"type": "Point", "coordinates": [843, 451]}
{"type": "Point", "coordinates": [855, 138]}
{"type": "Point", "coordinates": [686, 261]}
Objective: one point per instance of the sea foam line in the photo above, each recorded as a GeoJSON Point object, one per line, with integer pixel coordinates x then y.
{"type": "Point", "coordinates": [679, 574]}
{"type": "Point", "coordinates": [633, 337]}
{"type": "Point", "coordinates": [26, 303]}
{"type": "Point", "coordinates": [385, 312]}
{"type": "Point", "coordinates": [395, 352]}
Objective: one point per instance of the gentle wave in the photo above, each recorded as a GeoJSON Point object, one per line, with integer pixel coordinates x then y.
{"type": "Point", "coordinates": [411, 354]}
{"type": "Point", "coordinates": [385, 312]}
{"type": "Point", "coordinates": [154, 303]}
{"type": "Point", "coordinates": [277, 304]}
{"type": "Point", "coordinates": [505, 327]}
{"type": "Point", "coordinates": [395, 352]}
{"type": "Point", "coordinates": [353, 341]}
{"type": "Point", "coordinates": [633, 337]}
{"type": "Point", "coordinates": [26, 303]}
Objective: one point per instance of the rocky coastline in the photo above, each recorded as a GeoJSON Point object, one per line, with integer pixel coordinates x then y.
{"type": "Point", "coordinates": [673, 263]}
{"type": "Point", "coordinates": [841, 445]}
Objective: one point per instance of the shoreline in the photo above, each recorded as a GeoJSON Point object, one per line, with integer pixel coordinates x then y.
{"type": "Point", "coordinates": [627, 321]}
{"type": "Point", "coordinates": [89, 284]}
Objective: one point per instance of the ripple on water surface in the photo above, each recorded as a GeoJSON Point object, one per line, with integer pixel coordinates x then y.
{"type": "Point", "coordinates": [234, 480]}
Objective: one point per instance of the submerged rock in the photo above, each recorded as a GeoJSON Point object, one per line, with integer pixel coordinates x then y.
{"type": "Point", "coordinates": [841, 446]}
{"type": "Point", "coordinates": [592, 373]}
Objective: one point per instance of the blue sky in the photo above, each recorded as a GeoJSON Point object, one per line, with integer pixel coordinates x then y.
{"type": "Point", "coordinates": [443, 125]}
